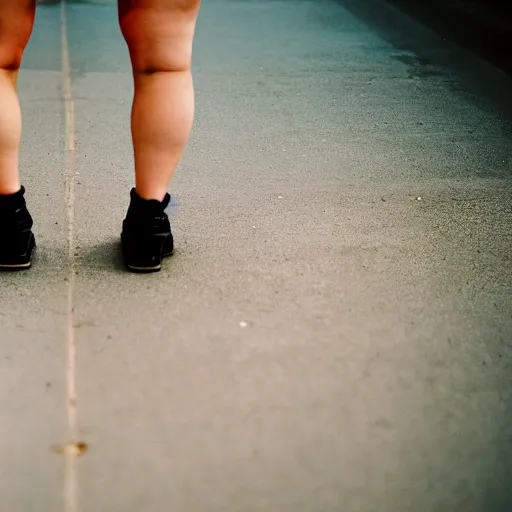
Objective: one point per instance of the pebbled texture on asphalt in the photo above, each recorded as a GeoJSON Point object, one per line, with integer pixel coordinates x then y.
{"type": "Point", "coordinates": [335, 329]}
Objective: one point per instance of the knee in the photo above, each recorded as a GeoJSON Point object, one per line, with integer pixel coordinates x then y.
{"type": "Point", "coordinates": [10, 57]}
{"type": "Point", "coordinates": [160, 41]}
{"type": "Point", "coordinates": [15, 29]}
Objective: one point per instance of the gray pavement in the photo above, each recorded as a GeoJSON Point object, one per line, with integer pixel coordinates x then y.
{"type": "Point", "coordinates": [334, 332]}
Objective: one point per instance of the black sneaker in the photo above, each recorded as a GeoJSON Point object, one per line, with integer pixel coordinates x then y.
{"type": "Point", "coordinates": [146, 238]}
{"type": "Point", "coordinates": [17, 241]}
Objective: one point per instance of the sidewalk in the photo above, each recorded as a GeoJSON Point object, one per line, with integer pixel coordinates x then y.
{"type": "Point", "coordinates": [334, 331]}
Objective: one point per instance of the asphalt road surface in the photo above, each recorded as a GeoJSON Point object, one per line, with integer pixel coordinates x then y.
{"type": "Point", "coordinates": [334, 332]}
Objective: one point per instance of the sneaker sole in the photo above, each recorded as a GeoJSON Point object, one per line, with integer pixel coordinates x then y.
{"type": "Point", "coordinates": [19, 266]}
{"type": "Point", "coordinates": [25, 265]}
{"type": "Point", "coordinates": [148, 270]}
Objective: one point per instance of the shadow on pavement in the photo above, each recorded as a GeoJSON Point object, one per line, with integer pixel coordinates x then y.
{"type": "Point", "coordinates": [482, 26]}
{"type": "Point", "coordinates": [102, 256]}
{"type": "Point", "coordinates": [463, 72]}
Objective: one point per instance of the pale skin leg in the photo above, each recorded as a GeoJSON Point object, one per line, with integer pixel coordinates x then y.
{"type": "Point", "coordinates": [159, 35]}
{"type": "Point", "coordinates": [16, 22]}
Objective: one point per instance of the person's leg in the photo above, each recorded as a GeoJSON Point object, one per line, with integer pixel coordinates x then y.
{"type": "Point", "coordinates": [16, 238]}
{"type": "Point", "coordinates": [16, 21]}
{"type": "Point", "coordinates": [159, 35]}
